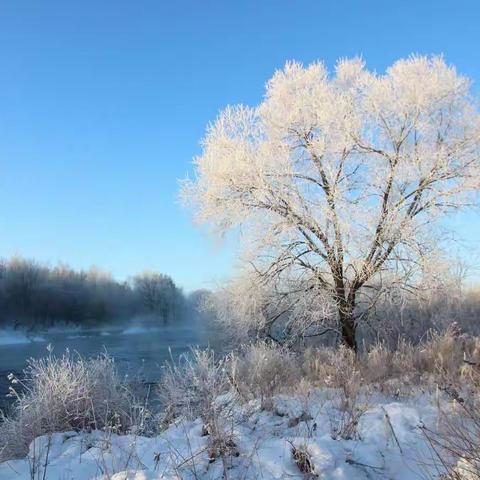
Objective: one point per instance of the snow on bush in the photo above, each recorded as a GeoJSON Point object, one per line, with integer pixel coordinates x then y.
{"type": "Point", "coordinates": [63, 394]}
{"type": "Point", "coordinates": [263, 369]}
{"type": "Point", "coordinates": [190, 386]}
{"type": "Point", "coordinates": [198, 386]}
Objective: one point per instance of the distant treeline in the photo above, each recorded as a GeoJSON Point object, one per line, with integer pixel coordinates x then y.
{"type": "Point", "coordinates": [35, 295]}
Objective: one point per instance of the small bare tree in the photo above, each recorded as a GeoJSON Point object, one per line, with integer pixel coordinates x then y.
{"type": "Point", "coordinates": [339, 180]}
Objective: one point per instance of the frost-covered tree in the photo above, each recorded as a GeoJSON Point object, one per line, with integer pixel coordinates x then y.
{"type": "Point", "coordinates": [159, 294]}
{"type": "Point", "coordinates": [338, 180]}
{"type": "Point", "coordinates": [34, 295]}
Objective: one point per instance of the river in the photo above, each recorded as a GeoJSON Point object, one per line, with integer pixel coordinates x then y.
{"type": "Point", "coordinates": [137, 351]}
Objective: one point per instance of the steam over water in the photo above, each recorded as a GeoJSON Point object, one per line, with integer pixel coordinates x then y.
{"type": "Point", "coordinates": [137, 351]}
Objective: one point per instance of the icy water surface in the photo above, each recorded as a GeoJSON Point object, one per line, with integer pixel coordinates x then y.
{"type": "Point", "coordinates": [137, 351]}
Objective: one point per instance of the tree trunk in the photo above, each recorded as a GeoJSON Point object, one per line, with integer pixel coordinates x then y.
{"type": "Point", "coordinates": [348, 328]}
{"type": "Point", "coordinates": [346, 306]}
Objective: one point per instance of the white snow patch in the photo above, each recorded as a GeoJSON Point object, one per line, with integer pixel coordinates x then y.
{"type": "Point", "coordinates": [389, 445]}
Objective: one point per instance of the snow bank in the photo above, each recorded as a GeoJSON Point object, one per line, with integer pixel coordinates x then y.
{"type": "Point", "coordinates": [17, 337]}
{"type": "Point", "coordinates": [389, 445]}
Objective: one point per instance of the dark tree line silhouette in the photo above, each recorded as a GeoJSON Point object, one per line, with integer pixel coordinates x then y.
{"type": "Point", "coordinates": [36, 295]}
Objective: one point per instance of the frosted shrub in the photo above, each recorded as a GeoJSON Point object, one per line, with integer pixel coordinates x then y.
{"type": "Point", "coordinates": [339, 370]}
{"type": "Point", "coordinates": [455, 440]}
{"type": "Point", "coordinates": [333, 367]}
{"type": "Point", "coordinates": [63, 394]}
{"type": "Point", "coordinates": [378, 363]}
{"type": "Point", "coordinates": [262, 370]}
{"type": "Point", "coordinates": [190, 386]}
{"type": "Point", "coordinates": [442, 354]}
{"type": "Point", "coordinates": [198, 386]}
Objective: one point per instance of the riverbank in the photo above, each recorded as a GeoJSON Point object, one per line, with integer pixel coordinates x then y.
{"type": "Point", "coordinates": [138, 351]}
{"type": "Point", "coordinates": [262, 411]}
{"type": "Point", "coordinates": [18, 337]}
{"type": "Point", "coordinates": [291, 440]}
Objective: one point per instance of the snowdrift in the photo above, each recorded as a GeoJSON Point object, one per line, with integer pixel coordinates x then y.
{"type": "Point", "coordinates": [388, 444]}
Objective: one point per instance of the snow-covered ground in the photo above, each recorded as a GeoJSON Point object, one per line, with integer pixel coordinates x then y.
{"type": "Point", "coordinates": [389, 444]}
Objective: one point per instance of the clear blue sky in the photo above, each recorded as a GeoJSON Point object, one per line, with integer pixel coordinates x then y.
{"type": "Point", "coordinates": [103, 105]}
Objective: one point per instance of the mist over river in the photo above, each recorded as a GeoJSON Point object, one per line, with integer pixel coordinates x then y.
{"type": "Point", "coordinates": [138, 351]}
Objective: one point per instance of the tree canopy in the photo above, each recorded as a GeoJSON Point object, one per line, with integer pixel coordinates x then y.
{"type": "Point", "coordinates": [338, 180]}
